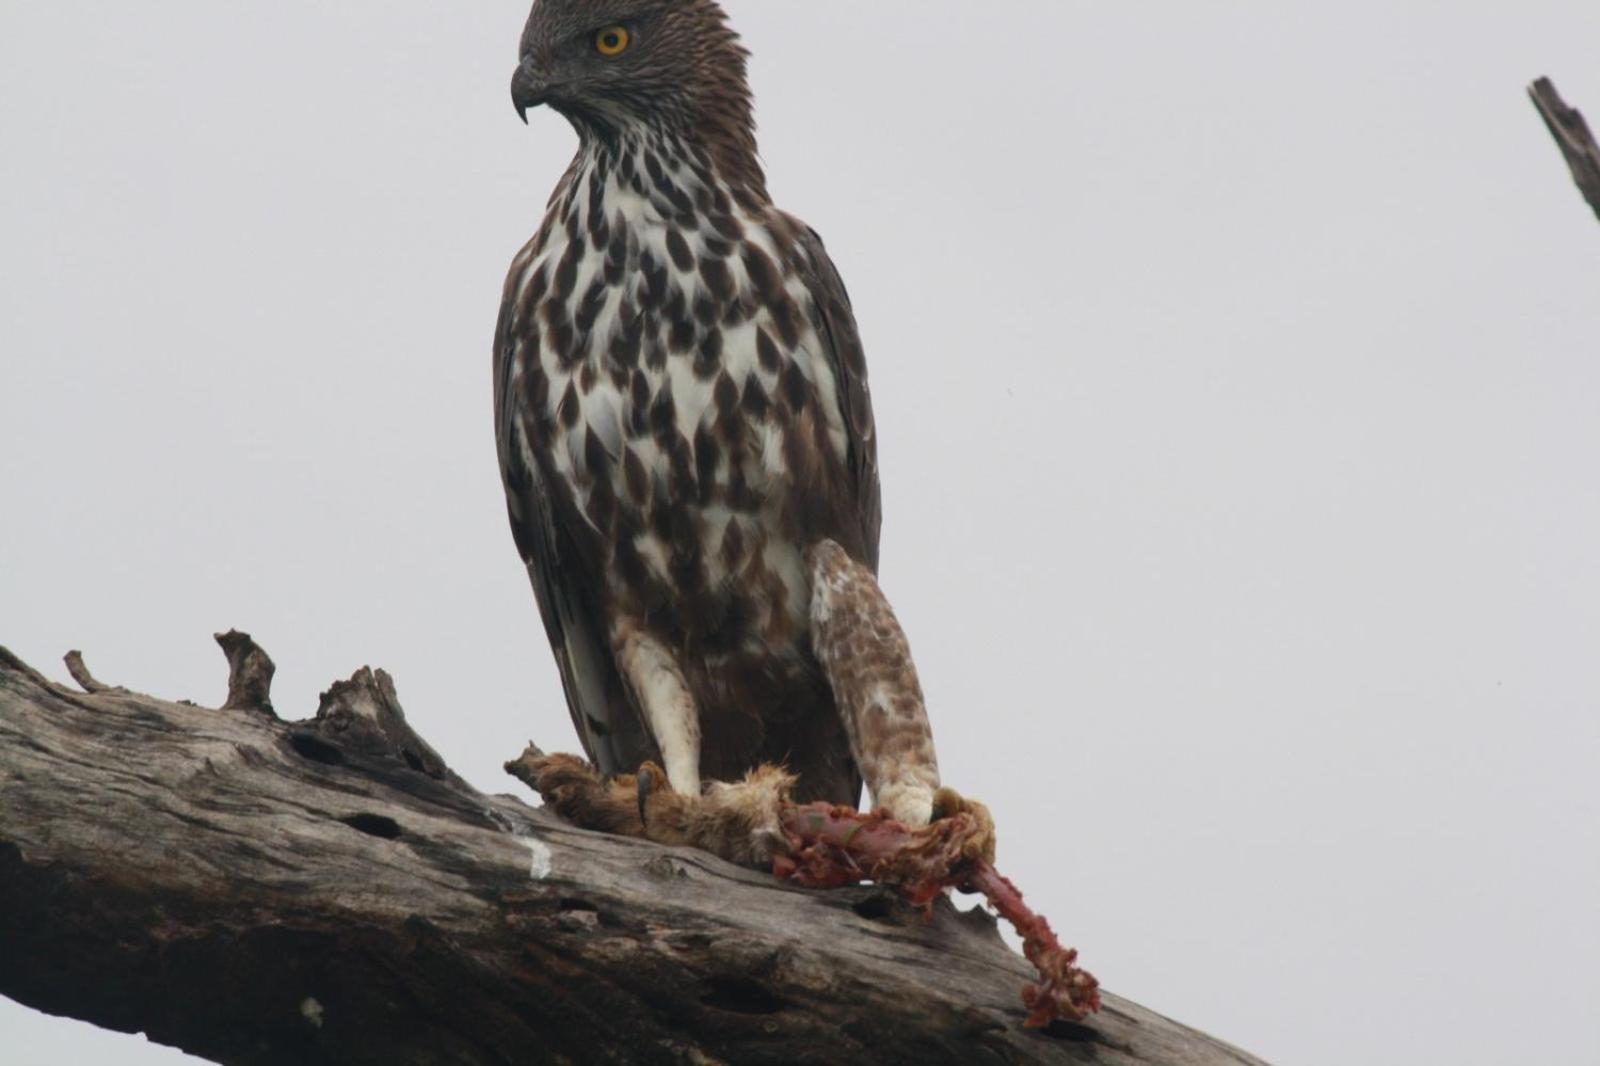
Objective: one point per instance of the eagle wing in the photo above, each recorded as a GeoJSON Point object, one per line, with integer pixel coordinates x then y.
{"type": "Point", "coordinates": [545, 525]}
{"type": "Point", "coordinates": [847, 359]}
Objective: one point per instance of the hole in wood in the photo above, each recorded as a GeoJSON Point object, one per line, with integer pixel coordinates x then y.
{"type": "Point", "coordinates": [316, 749]}
{"type": "Point", "coordinates": [878, 907]}
{"type": "Point", "coordinates": [740, 995]}
{"type": "Point", "coordinates": [374, 825]}
{"type": "Point", "coordinates": [1073, 1031]}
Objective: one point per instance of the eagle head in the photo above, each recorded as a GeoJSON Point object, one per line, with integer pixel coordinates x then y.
{"type": "Point", "coordinates": [614, 66]}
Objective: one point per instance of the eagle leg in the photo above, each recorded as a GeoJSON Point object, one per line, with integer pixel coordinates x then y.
{"type": "Point", "coordinates": [662, 693]}
{"type": "Point", "coordinates": [867, 660]}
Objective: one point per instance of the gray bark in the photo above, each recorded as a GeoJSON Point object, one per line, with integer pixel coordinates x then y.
{"type": "Point", "coordinates": [258, 891]}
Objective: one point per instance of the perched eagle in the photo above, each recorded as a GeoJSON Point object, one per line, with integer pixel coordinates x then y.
{"type": "Point", "coordinates": [681, 409]}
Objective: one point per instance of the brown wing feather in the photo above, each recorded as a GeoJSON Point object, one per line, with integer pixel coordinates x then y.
{"type": "Point", "coordinates": [564, 577]}
{"type": "Point", "coordinates": [849, 362]}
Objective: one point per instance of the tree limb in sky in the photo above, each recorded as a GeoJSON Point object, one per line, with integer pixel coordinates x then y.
{"type": "Point", "coordinates": [1577, 144]}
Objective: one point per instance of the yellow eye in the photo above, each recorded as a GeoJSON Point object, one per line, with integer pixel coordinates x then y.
{"type": "Point", "coordinates": [611, 41]}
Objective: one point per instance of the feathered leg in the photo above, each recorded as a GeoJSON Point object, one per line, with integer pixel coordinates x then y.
{"type": "Point", "coordinates": [662, 694]}
{"type": "Point", "coordinates": [866, 658]}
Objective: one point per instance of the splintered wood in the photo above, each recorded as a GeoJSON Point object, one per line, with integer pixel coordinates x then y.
{"type": "Point", "coordinates": [821, 846]}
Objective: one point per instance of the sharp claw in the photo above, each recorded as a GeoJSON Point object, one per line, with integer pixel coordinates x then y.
{"type": "Point", "coordinates": [946, 803]}
{"type": "Point", "coordinates": [644, 793]}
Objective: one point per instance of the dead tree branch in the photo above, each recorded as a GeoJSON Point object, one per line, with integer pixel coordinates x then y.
{"type": "Point", "coordinates": [258, 891]}
{"type": "Point", "coordinates": [1572, 136]}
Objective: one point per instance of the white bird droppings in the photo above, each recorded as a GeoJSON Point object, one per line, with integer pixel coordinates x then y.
{"type": "Point", "coordinates": [311, 1011]}
{"type": "Point", "coordinates": [541, 866]}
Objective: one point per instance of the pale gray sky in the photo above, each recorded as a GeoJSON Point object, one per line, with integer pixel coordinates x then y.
{"type": "Point", "coordinates": [1257, 591]}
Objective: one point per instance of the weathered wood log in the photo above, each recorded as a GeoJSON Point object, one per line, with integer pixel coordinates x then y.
{"type": "Point", "coordinates": [1572, 136]}
{"type": "Point", "coordinates": [258, 891]}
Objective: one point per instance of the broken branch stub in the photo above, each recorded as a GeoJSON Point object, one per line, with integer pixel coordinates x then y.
{"type": "Point", "coordinates": [363, 714]}
{"type": "Point", "coordinates": [250, 673]}
{"type": "Point", "coordinates": [1572, 135]}
{"type": "Point", "coordinates": [80, 673]}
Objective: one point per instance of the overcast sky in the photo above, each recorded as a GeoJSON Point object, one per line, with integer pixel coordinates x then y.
{"type": "Point", "coordinates": [1237, 371]}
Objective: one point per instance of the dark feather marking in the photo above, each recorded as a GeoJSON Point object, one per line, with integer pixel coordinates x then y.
{"type": "Point", "coordinates": [705, 311]}
{"type": "Point", "coordinates": [707, 456]}
{"type": "Point", "coordinates": [741, 497]}
{"type": "Point", "coordinates": [560, 335]}
{"type": "Point", "coordinates": [678, 199]}
{"type": "Point", "coordinates": [655, 353]}
{"type": "Point", "coordinates": [532, 293]}
{"type": "Point", "coordinates": [568, 410]}
{"type": "Point", "coordinates": [639, 404]}
{"type": "Point", "coordinates": [763, 273]}
{"type": "Point", "coordinates": [678, 248]}
{"type": "Point", "coordinates": [786, 317]}
{"type": "Point", "coordinates": [652, 167]}
{"type": "Point", "coordinates": [595, 456]}
{"type": "Point", "coordinates": [754, 399]}
{"type": "Point", "coordinates": [625, 342]}
{"type": "Point", "coordinates": [737, 310]}
{"type": "Point", "coordinates": [663, 417]}
{"type": "Point", "coordinates": [725, 394]}
{"type": "Point", "coordinates": [536, 387]}
{"type": "Point", "coordinates": [617, 254]}
{"type": "Point", "coordinates": [708, 359]}
{"type": "Point", "coordinates": [655, 278]}
{"type": "Point", "coordinates": [767, 351]}
{"type": "Point", "coordinates": [717, 277]}
{"type": "Point", "coordinates": [594, 301]}
{"type": "Point", "coordinates": [681, 336]}
{"type": "Point", "coordinates": [630, 565]}
{"type": "Point", "coordinates": [636, 477]}
{"type": "Point", "coordinates": [602, 507]}
{"type": "Point", "coordinates": [567, 269]}
{"type": "Point", "coordinates": [680, 474]}
{"type": "Point", "coordinates": [796, 389]}
{"type": "Point", "coordinates": [733, 544]}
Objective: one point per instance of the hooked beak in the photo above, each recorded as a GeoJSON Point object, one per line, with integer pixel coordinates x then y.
{"type": "Point", "coordinates": [529, 88]}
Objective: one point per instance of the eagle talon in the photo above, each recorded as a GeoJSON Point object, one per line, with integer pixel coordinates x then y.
{"type": "Point", "coordinates": [645, 788]}
{"type": "Point", "coordinates": [980, 838]}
